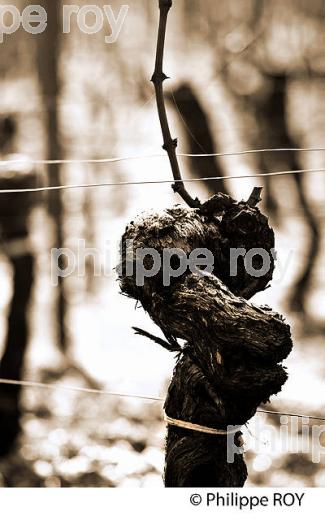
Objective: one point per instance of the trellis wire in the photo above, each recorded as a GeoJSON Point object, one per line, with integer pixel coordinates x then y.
{"type": "Point", "coordinates": [161, 181]}
{"type": "Point", "coordinates": [106, 160]}
{"type": "Point", "coordinates": [35, 384]}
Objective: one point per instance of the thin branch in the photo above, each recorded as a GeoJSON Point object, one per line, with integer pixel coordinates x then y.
{"type": "Point", "coordinates": [165, 344]}
{"type": "Point", "coordinates": [158, 79]}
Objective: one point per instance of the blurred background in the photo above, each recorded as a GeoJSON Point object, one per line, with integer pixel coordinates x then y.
{"type": "Point", "coordinates": [246, 74]}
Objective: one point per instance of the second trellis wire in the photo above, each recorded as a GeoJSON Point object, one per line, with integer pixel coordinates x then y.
{"type": "Point", "coordinates": [35, 384]}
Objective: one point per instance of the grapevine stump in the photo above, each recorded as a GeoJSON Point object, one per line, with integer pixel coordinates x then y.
{"type": "Point", "coordinates": [229, 351]}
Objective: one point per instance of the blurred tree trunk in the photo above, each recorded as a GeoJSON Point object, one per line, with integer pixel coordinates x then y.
{"type": "Point", "coordinates": [273, 127]}
{"type": "Point", "coordinates": [15, 244]}
{"type": "Point", "coordinates": [48, 66]}
{"type": "Point", "coordinates": [11, 365]}
{"type": "Point", "coordinates": [269, 113]}
{"type": "Point", "coordinates": [199, 136]}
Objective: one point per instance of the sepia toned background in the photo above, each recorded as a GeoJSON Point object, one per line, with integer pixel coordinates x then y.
{"type": "Point", "coordinates": [245, 74]}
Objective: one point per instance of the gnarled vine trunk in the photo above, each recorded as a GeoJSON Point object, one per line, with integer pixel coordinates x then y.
{"type": "Point", "coordinates": [231, 359]}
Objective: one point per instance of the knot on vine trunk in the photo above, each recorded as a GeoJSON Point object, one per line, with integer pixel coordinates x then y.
{"type": "Point", "coordinates": [193, 271]}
